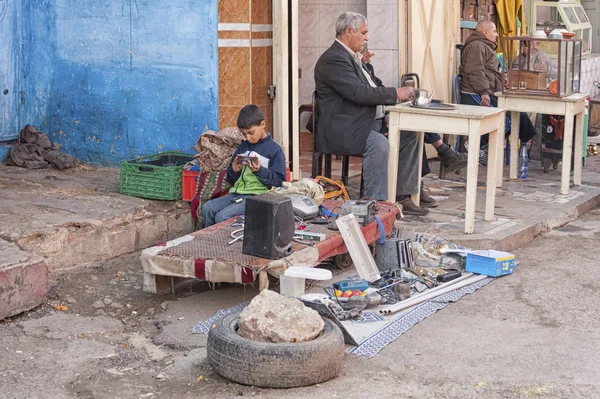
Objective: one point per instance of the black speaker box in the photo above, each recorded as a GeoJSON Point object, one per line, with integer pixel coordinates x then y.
{"type": "Point", "coordinates": [269, 226]}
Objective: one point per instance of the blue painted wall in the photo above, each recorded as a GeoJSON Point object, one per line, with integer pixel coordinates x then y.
{"type": "Point", "coordinates": [111, 80]}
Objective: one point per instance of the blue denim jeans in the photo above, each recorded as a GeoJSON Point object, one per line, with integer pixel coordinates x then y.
{"type": "Point", "coordinates": [222, 208]}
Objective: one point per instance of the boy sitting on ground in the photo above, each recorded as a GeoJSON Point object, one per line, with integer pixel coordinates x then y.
{"type": "Point", "coordinates": [257, 165]}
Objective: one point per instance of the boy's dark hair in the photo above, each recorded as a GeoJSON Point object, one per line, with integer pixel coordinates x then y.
{"type": "Point", "coordinates": [250, 116]}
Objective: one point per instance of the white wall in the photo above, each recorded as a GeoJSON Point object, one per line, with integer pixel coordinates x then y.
{"type": "Point", "coordinates": [316, 32]}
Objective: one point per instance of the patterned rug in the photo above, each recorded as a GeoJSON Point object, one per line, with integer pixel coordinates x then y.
{"type": "Point", "coordinates": [377, 331]}
{"type": "Point", "coordinates": [372, 332]}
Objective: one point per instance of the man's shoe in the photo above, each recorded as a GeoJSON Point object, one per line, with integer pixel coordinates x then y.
{"type": "Point", "coordinates": [409, 208]}
{"type": "Point", "coordinates": [427, 200]}
{"type": "Point", "coordinates": [453, 161]}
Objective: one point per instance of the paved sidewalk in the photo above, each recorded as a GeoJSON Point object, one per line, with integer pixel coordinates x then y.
{"type": "Point", "coordinates": [73, 218]}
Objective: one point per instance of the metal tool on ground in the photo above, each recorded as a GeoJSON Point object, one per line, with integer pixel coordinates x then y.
{"type": "Point", "coordinates": [235, 237]}
{"type": "Point", "coordinates": [364, 210]}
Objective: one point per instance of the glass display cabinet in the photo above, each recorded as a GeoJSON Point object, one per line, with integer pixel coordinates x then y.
{"type": "Point", "coordinates": [547, 67]}
{"type": "Point", "coordinates": [568, 15]}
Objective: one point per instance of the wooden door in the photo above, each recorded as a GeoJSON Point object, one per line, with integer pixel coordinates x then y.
{"type": "Point", "coordinates": [431, 30]}
{"type": "Point", "coordinates": [9, 62]}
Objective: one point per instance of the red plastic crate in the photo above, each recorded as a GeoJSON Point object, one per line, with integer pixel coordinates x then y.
{"type": "Point", "coordinates": [189, 180]}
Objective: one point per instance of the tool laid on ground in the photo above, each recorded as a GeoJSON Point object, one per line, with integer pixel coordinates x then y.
{"type": "Point", "coordinates": [364, 210]}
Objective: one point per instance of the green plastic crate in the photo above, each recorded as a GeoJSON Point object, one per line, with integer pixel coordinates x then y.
{"type": "Point", "coordinates": [155, 176]}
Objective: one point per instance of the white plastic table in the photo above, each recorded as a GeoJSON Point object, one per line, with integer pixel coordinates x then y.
{"type": "Point", "coordinates": [465, 120]}
{"type": "Point", "coordinates": [571, 106]}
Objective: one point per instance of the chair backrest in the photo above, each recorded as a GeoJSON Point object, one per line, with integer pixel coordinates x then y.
{"type": "Point", "coordinates": [457, 87]}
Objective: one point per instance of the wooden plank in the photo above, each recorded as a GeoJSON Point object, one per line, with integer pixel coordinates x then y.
{"type": "Point", "coordinates": [281, 75]}
{"type": "Point", "coordinates": [295, 94]}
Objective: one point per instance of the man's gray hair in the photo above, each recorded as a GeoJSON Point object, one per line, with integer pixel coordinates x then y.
{"type": "Point", "coordinates": [350, 20]}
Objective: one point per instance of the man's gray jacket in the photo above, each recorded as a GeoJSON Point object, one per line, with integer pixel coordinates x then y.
{"type": "Point", "coordinates": [346, 101]}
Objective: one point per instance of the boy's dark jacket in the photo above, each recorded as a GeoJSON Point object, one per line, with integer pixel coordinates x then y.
{"type": "Point", "coordinates": [271, 173]}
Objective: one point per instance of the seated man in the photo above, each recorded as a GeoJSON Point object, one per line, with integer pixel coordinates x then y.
{"type": "Point", "coordinates": [351, 114]}
{"type": "Point", "coordinates": [257, 165]}
{"type": "Point", "coordinates": [481, 77]}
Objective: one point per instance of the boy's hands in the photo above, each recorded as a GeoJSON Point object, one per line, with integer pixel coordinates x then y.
{"type": "Point", "coordinates": [236, 166]}
{"type": "Point", "coordinates": [253, 164]}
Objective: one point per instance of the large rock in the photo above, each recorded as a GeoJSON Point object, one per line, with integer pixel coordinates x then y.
{"type": "Point", "coordinates": [271, 317]}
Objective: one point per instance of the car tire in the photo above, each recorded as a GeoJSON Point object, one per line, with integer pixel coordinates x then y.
{"type": "Point", "coordinates": [274, 365]}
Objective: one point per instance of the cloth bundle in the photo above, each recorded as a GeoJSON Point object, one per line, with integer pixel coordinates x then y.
{"type": "Point", "coordinates": [34, 151]}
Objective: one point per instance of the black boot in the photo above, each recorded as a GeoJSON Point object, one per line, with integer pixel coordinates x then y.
{"type": "Point", "coordinates": [453, 160]}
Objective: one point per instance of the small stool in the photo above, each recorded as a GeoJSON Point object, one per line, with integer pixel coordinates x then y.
{"type": "Point", "coordinates": [291, 282]}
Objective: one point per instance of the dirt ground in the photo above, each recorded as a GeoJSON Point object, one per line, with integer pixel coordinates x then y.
{"type": "Point", "coordinates": [533, 334]}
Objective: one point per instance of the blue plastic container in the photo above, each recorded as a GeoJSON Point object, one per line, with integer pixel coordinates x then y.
{"type": "Point", "coordinates": [491, 263]}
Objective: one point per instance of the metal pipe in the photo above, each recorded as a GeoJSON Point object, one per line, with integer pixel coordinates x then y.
{"type": "Point", "coordinates": [429, 295]}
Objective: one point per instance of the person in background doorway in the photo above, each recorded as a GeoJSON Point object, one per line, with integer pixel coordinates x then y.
{"type": "Point", "coordinates": [481, 78]}
{"type": "Point", "coordinates": [257, 165]}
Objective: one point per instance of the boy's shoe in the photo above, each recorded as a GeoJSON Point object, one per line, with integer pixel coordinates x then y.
{"type": "Point", "coordinates": [409, 208]}
{"type": "Point", "coordinates": [427, 201]}
{"type": "Point", "coordinates": [451, 160]}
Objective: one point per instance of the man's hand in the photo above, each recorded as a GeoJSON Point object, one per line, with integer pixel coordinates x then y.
{"type": "Point", "coordinates": [540, 67]}
{"type": "Point", "coordinates": [253, 164]}
{"type": "Point", "coordinates": [367, 55]}
{"type": "Point", "coordinates": [236, 166]}
{"type": "Point", "coordinates": [485, 100]}
{"type": "Point", "coordinates": [406, 93]}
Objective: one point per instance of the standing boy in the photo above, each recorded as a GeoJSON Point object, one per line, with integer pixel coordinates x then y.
{"type": "Point", "coordinates": [257, 165]}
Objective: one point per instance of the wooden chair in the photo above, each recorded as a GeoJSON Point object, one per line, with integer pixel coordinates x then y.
{"type": "Point", "coordinates": [320, 156]}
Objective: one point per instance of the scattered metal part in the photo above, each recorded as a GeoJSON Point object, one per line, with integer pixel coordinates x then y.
{"type": "Point", "coordinates": [236, 238]}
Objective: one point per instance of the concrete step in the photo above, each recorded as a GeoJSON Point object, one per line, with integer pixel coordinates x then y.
{"type": "Point", "coordinates": [23, 280]}
{"type": "Point", "coordinates": [77, 217]}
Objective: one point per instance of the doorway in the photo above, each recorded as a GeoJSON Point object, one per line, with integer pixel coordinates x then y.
{"type": "Point", "coordinates": [9, 61]}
